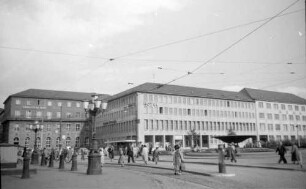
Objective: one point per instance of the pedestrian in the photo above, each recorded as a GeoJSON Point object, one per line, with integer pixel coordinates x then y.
{"type": "Point", "coordinates": [121, 157]}
{"type": "Point", "coordinates": [281, 149]}
{"type": "Point", "coordinates": [145, 154]}
{"type": "Point", "coordinates": [178, 160]}
{"type": "Point", "coordinates": [156, 155]}
{"type": "Point", "coordinates": [82, 155]}
{"type": "Point", "coordinates": [102, 153]}
{"type": "Point", "coordinates": [232, 152]}
{"type": "Point", "coordinates": [295, 155]}
{"type": "Point", "coordinates": [111, 152]}
{"type": "Point", "coordinates": [130, 153]}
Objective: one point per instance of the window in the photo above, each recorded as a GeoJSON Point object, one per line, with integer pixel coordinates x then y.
{"type": "Point", "coordinates": [146, 124]}
{"type": "Point", "coordinates": [285, 127]}
{"type": "Point", "coordinates": [17, 102]}
{"type": "Point", "coordinates": [297, 118]}
{"type": "Point", "coordinates": [277, 127]}
{"type": "Point", "coordinates": [28, 103]}
{"type": "Point", "coordinates": [284, 117]}
{"type": "Point", "coordinates": [296, 108]}
{"type": "Point", "coordinates": [68, 104]}
{"type": "Point", "coordinates": [276, 116]}
{"type": "Point", "coordinates": [28, 114]}
{"type": "Point", "coordinates": [16, 127]}
{"type": "Point", "coordinates": [17, 113]}
{"type": "Point", "coordinates": [260, 104]}
{"type": "Point", "coordinates": [77, 127]}
{"type": "Point", "coordinates": [262, 127]}
{"type": "Point", "coordinates": [188, 111]}
{"type": "Point", "coordinates": [68, 115]}
{"type": "Point", "coordinates": [291, 117]}
{"type": "Point", "coordinates": [16, 141]}
{"type": "Point", "coordinates": [275, 106]}
{"type": "Point", "coordinates": [304, 118]}
{"type": "Point", "coordinates": [261, 115]}
{"type": "Point", "coordinates": [303, 108]}
{"type": "Point", "coordinates": [68, 126]}
{"type": "Point", "coordinates": [283, 107]}
{"type": "Point", "coordinates": [268, 105]}
{"type": "Point", "coordinates": [57, 142]}
{"type": "Point", "coordinates": [78, 114]}
{"type": "Point", "coordinates": [49, 115]}
{"type": "Point", "coordinates": [270, 127]}
{"type": "Point", "coordinates": [78, 104]}
{"type": "Point", "coordinates": [38, 114]}
{"type": "Point", "coordinates": [38, 142]}
{"type": "Point", "coordinates": [77, 141]}
{"type": "Point", "coordinates": [48, 142]}
{"type": "Point", "coordinates": [269, 116]}
{"type": "Point", "coordinates": [289, 107]}
{"type": "Point", "coordinates": [58, 114]}
{"type": "Point", "coordinates": [68, 141]}
{"type": "Point", "coordinates": [49, 103]}
{"type": "Point", "coordinates": [59, 104]}
{"type": "Point", "coordinates": [27, 142]}
{"type": "Point", "coordinates": [48, 127]}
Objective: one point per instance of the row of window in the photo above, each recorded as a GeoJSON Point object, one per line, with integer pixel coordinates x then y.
{"type": "Point", "coordinates": [127, 126]}
{"type": "Point", "coordinates": [119, 114]}
{"type": "Point", "coordinates": [48, 127]}
{"type": "Point", "coordinates": [285, 137]}
{"type": "Point", "coordinates": [284, 127]}
{"type": "Point", "coordinates": [282, 106]}
{"type": "Point", "coordinates": [40, 102]}
{"type": "Point", "coordinates": [284, 117]}
{"type": "Point", "coordinates": [197, 112]}
{"type": "Point", "coordinates": [171, 125]}
{"type": "Point", "coordinates": [48, 142]}
{"type": "Point", "coordinates": [48, 115]}
{"type": "Point", "coordinates": [121, 102]}
{"type": "Point", "coordinates": [196, 101]}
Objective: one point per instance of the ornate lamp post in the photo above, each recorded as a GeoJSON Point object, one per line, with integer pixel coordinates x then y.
{"type": "Point", "coordinates": [35, 154]}
{"type": "Point", "coordinates": [94, 107]}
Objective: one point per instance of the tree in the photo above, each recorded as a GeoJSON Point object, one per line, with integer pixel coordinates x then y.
{"type": "Point", "coordinates": [194, 137]}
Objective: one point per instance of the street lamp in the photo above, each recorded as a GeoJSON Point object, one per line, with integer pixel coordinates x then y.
{"type": "Point", "coordinates": [35, 154]}
{"type": "Point", "coordinates": [93, 107]}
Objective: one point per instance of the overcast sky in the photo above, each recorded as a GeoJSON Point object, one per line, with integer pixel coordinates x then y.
{"type": "Point", "coordinates": [103, 45]}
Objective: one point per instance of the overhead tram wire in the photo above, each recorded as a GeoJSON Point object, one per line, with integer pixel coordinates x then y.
{"type": "Point", "coordinates": [151, 48]}
{"type": "Point", "coordinates": [227, 48]}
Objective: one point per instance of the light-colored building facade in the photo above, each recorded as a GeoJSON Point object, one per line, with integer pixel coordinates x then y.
{"type": "Point", "coordinates": [61, 113]}
{"type": "Point", "coordinates": [279, 116]}
{"type": "Point", "coordinates": [165, 115]}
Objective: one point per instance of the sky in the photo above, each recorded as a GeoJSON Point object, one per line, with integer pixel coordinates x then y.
{"type": "Point", "coordinates": [108, 46]}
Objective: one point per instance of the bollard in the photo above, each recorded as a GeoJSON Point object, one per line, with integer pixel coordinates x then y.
{"type": "Point", "coordinates": [221, 159]}
{"type": "Point", "coordinates": [62, 163]}
{"type": "Point", "coordinates": [51, 160]}
{"type": "Point", "coordinates": [42, 162]}
{"type": "Point", "coordinates": [26, 167]}
{"type": "Point", "coordinates": [74, 165]}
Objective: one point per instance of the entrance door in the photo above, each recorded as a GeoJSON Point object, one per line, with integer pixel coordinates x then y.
{"type": "Point", "coordinates": [205, 141]}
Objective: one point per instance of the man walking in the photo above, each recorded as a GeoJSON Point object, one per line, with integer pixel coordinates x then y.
{"type": "Point", "coordinates": [281, 149]}
{"type": "Point", "coordinates": [130, 153]}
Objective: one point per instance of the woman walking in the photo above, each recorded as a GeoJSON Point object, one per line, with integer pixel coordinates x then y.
{"type": "Point", "coordinates": [121, 154]}
{"type": "Point", "coordinates": [295, 155]}
{"type": "Point", "coordinates": [178, 159]}
{"type": "Point", "coordinates": [156, 155]}
{"type": "Point", "coordinates": [102, 153]}
{"type": "Point", "coordinates": [145, 154]}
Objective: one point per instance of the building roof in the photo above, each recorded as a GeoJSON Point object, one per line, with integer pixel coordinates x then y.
{"type": "Point", "coordinates": [271, 96]}
{"type": "Point", "coordinates": [156, 88]}
{"type": "Point", "coordinates": [52, 94]}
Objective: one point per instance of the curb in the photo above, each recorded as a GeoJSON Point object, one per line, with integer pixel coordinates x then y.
{"type": "Point", "coordinates": [165, 168]}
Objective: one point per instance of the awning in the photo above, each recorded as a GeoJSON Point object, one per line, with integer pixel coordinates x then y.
{"type": "Point", "coordinates": [234, 138]}
{"type": "Point", "coordinates": [117, 141]}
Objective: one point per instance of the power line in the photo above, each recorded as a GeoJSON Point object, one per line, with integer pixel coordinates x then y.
{"type": "Point", "coordinates": [206, 34]}
{"type": "Point", "coordinates": [284, 82]}
{"type": "Point", "coordinates": [230, 46]}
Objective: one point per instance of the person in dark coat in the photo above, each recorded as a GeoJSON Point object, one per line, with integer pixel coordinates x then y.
{"type": "Point", "coordinates": [130, 153]}
{"type": "Point", "coordinates": [281, 149]}
{"type": "Point", "coordinates": [232, 152]}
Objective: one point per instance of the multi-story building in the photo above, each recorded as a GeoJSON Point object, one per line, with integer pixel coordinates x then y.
{"type": "Point", "coordinates": [165, 114]}
{"type": "Point", "coordinates": [279, 116]}
{"type": "Point", "coordinates": [61, 113]}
